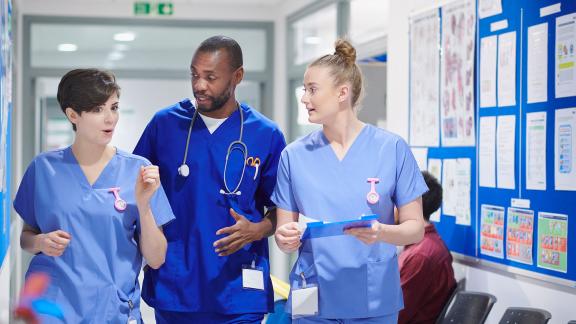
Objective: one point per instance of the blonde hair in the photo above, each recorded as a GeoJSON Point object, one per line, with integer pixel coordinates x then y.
{"type": "Point", "coordinates": [343, 68]}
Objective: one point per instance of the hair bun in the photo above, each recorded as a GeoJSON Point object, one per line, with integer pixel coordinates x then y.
{"type": "Point", "coordinates": [344, 49]}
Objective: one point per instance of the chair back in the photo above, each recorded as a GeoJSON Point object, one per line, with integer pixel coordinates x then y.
{"type": "Point", "coordinates": [524, 315]}
{"type": "Point", "coordinates": [468, 308]}
{"type": "Point", "coordinates": [460, 286]}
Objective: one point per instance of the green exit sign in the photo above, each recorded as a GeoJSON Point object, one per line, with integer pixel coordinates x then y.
{"type": "Point", "coordinates": [145, 8]}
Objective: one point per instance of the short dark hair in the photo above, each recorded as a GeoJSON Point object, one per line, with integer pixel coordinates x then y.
{"type": "Point", "coordinates": [216, 43]}
{"type": "Point", "coordinates": [431, 200]}
{"type": "Point", "coordinates": [85, 89]}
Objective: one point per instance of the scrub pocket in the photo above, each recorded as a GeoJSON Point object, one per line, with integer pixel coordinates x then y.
{"type": "Point", "coordinates": [384, 285]}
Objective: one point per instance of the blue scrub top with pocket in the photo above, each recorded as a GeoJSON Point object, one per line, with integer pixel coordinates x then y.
{"type": "Point", "coordinates": [194, 278]}
{"type": "Point", "coordinates": [97, 275]}
{"type": "Point", "coordinates": [354, 280]}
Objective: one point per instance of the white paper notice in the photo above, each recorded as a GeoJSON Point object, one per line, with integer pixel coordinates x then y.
{"type": "Point", "coordinates": [435, 169]}
{"type": "Point", "coordinates": [507, 69]}
{"type": "Point", "coordinates": [538, 63]}
{"type": "Point", "coordinates": [488, 71]}
{"type": "Point", "coordinates": [487, 151]}
{"type": "Point", "coordinates": [487, 8]}
{"type": "Point", "coordinates": [421, 156]}
{"type": "Point", "coordinates": [536, 151]}
{"type": "Point", "coordinates": [565, 50]}
{"type": "Point", "coordinates": [506, 141]}
{"type": "Point", "coordinates": [564, 151]}
{"type": "Point", "coordinates": [456, 189]}
{"type": "Point", "coordinates": [424, 79]}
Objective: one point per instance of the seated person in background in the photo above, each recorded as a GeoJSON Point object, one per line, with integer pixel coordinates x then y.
{"type": "Point", "coordinates": [426, 272]}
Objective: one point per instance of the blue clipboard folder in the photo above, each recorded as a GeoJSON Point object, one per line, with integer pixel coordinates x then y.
{"type": "Point", "coordinates": [324, 229]}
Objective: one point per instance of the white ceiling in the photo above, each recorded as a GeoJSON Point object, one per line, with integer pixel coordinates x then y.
{"type": "Point", "coordinates": [211, 2]}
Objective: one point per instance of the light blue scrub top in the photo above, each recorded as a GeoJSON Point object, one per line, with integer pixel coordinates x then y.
{"type": "Point", "coordinates": [98, 272]}
{"type": "Point", "coordinates": [355, 280]}
{"type": "Point", "coordinates": [194, 278]}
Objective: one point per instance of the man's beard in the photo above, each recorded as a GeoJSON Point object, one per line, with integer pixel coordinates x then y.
{"type": "Point", "coordinates": [216, 103]}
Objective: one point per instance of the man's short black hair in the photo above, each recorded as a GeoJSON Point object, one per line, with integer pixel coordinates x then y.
{"type": "Point", "coordinates": [85, 89]}
{"type": "Point", "coordinates": [216, 43]}
{"type": "Point", "coordinates": [431, 200]}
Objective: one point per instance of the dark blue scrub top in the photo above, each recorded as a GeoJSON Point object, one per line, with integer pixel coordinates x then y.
{"type": "Point", "coordinates": [194, 278]}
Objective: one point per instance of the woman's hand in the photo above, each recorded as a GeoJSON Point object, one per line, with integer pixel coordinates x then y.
{"type": "Point", "coordinates": [147, 182]}
{"type": "Point", "coordinates": [53, 244]}
{"type": "Point", "coordinates": [368, 235]}
{"type": "Point", "coordinates": [288, 237]}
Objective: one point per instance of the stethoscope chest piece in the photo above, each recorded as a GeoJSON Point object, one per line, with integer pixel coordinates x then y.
{"type": "Point", "coordinates": [184, 170]}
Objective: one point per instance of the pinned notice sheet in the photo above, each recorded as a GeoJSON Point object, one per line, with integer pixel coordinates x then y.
{"type": "Point", "coordinates": [564, 150]}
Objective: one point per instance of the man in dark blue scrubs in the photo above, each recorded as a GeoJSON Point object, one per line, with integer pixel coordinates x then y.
{"type": "Point", "coordinates": [218, 161]}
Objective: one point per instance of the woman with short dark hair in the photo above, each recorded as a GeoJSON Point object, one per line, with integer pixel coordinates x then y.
{"type": "Point", "coordinates": [92, 211]}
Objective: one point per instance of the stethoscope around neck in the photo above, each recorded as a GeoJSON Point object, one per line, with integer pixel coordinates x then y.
{"type": "Point", "coordinates": [184, 170]}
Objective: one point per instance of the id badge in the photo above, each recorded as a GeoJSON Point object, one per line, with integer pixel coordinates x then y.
{"type": "Point", "coordinates": [305, 301]}
{"type": "Point", "coordinates": [252, 277]}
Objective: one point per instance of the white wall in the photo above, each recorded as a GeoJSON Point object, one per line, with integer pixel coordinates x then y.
{"type": "Point", "coordinates": [5, 291]}
{"type": "Point", "coordinates": [510, 290]}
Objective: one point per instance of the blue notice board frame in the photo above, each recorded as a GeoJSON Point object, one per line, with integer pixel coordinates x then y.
{"type": "Point", "coordinates": [465, 240]}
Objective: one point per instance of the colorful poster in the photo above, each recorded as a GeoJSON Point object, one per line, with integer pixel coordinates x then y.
{"type": "Point", "coordinates": [492, 231]}
{"type": "Point", "coordinates": [520, 235]}
{"type": "Point", "coordinates": [553, 241]}
{"type": "Point", "coordinates": [424, 78]}
{"type": "Point", "coordinates": [457, 74]}
{"type": "Point", "coordinates": [565, 63]}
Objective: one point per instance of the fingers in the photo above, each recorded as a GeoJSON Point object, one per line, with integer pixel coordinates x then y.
{"type": "Point", "coordinates": [150, 174]}
{"type": "Point", "coordinates": [63, 234]}
{"type": "Point", "coordinates": [367, 235]}
{"type": "Point", "coordinates": [230, 244]}
{"type": "Point", "coordinates": [288, 237]}
{"type": "Point", "coordinates": [227, 230]}
{"type": "Point", "coordinates": [55, 243]}
{"type": "Point", "coordinates": [289, 247]}
{"type": "Point", "coordinates": [235, 215]}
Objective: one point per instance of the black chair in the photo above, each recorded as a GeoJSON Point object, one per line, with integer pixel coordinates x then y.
{"type": "Point", "coordinates": [468, 308]}
{"type": "Point", "coordinates": [524, 315]}
{"type": "Point", "coordinates": [460, 286]}
{"type": "Point", "coordinates": [572, 322]}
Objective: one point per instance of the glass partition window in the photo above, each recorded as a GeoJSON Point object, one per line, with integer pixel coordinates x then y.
{"type": "Point", "coordinates": [302, 126]}
{"type": "Point", "coordinates": [368, 20]}
{"type": "Point", "coordinates": [314, 35]}
{"type": "Point", "coordinates": [134, 47]}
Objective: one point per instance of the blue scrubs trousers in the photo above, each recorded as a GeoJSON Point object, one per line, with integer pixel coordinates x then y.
{"type": "Point", "coordinates": [168, 317]}
{"type": "Point", "coordinates": [388, 319]}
